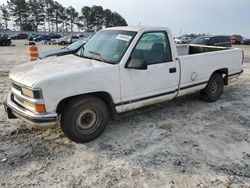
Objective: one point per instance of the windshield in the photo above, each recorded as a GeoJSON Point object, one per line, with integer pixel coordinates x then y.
{"type": "Point", "coordinates": [201, 40]}
{"type": "Point", "coordinates": [76, 45]}
{"type": "Point", "coordinates": [107, 46]}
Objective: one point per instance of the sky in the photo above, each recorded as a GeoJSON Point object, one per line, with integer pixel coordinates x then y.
{"type": "Point", "coordinates": [181, 16]}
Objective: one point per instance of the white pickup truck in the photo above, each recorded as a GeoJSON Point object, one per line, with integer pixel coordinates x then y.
{"type": "Point", "coordinates": [118, 70]}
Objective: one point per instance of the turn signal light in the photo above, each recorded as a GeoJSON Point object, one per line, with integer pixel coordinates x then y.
{"type": "Point", "coordinates": [40, 108]}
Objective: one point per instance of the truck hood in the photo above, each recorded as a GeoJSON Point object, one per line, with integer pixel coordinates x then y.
{"type": "Point", "coordinates": [31, 73]}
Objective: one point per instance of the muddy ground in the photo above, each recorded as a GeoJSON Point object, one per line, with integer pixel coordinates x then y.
{"type": "Point", "coordinates": [182, 143]}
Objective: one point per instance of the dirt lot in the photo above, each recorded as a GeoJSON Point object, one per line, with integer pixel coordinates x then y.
{"type": "Point", "coordinates": [182, 143]}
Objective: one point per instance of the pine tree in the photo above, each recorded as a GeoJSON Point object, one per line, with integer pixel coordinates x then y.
{"type": "Point", "coordinates": [58, 11]}
{"type": "Point", "coordinates": [19, 11]}
{"type": "Point", "coordinates": [29, 15]}
{"type": "Point", "coordinates": [98, 14]}
{"type": "Point", "coordinates": [37, 15]}
{"type": "Point", "coordinates": [108, 17]}
{"type": "Point", "coordinates": [5, 15]}
{"type": "Point", "coordinates": [48, 10]}
{"type": "Point", "coordinates": [72, 15]}
{"type": "Point", "coordinates": [87, 18]}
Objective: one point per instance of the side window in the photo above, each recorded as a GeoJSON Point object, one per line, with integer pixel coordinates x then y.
{"type": "Point", "coordinates": [223, 39]}
{"type": "Point", "coordinates": [226, 39]}
{"type": "Point", "coordinates": [213, 41]}
{"type": "Point", "coordinates": [153, 48]}
{"type": "Point", "coordinates": [220, 40]}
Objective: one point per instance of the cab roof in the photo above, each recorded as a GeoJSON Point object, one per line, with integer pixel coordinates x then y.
{"type": "Point", "coordinates": [137, 28]}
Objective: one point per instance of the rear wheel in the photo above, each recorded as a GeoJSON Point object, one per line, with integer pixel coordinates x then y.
{"type": "Point", "coordinates": [214, 88]}
{"type": "Point", "coordinates": [84, 119]}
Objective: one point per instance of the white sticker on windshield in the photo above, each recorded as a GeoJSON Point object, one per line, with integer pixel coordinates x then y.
{"type": "Point", "coordinates": [123, 37]}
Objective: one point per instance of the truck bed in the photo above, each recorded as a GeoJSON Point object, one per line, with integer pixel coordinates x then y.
{"type": "Point", "coordinates": [189, 49]}
{"type": "Point", "coordinates": [199, 62]}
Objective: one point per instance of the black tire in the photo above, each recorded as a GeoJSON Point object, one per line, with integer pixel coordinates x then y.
{"type": "Point", "coordinates": [63, 43]}
{"type": "Point", "coordinates": [84, 119]}
{"type": "Point", "coordinates": [214, 88]}
{"type": "Point", "coordinates": [9, 43]}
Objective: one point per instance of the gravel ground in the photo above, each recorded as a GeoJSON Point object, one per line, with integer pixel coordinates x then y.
{"type": "Point", "coordinates": [181, 143]}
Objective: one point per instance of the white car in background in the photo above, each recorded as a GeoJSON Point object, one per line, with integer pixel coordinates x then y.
{"type": "Point", "coordinates": [67, 40]}
{"type": "Point", "coordinates": [62, 41]}
{"type": "Point", "coordinates": [73, 38]}
{"type": "Point", "coordinates": [183, 40]}
{"type": "Point", "coordinates": [177, 40]}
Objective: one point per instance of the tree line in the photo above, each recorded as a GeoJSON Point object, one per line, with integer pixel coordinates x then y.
{"type": "Point", "coordinates": [49, 15]}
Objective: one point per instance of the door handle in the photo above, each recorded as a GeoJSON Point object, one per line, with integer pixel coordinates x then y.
{"type": "Point", "coordinates": [172, 70]}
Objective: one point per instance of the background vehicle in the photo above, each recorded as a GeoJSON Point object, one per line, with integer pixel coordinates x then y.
{"type": "Point", "coordinates": [118, 70]}
{"type": "Point", "coordinates": [81, 35]}
{"type": "Point", "coordinates": [186, 40]}
{"type": "Point", "coordinates": [223, 41]}
{"type": "Point", "coordinates": [236, 39]}
{"type": "Point", "coordinates": [62, 41]}
{"type": "Point", "coordinates": [20, 36]}
{"type": "Point", "coordinates": [183, 40]}
{"type": "Point", "coordinates": [70, 49]}
{"type": "Point", "coordinates": [177, 40]}
{"type": "Point", "coordinates": [55, 36]}
{"type": "Point", "coordinates": [5, 40]}
{"type": "Point", "coordinates": [69, 39]}
{"type": "Point", "coordinates": [32, 36]}
{"type": "Point", "coordinates": [72, 39]}
{"type": "Point", "coordinates": [42, 38]}
{"type": "Point", "coordinates": [245, 41]}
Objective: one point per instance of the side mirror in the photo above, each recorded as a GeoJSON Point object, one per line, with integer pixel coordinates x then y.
{"type": "Point", "coordinates": [134, 63]}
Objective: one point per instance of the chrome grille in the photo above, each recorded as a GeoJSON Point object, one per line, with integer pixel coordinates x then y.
{"type": "Point", "coordinates": [15, 97]}
{"type": "Point", "coordinates": [16, 86]}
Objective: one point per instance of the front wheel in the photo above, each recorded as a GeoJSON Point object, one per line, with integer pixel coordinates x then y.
{"type": "Point", "coordinates": [84, 119]}
{"type": "Point", "coordinates": [214, 88]}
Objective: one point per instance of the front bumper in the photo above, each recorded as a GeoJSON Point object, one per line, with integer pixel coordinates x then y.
{"type": "Point", "coordinates": [39, 120]}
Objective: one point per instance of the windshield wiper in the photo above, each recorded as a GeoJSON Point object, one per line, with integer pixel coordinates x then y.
{"type": "Point", "coordinates": [99, 55]}
{"type": "Point", "coordinates": [95, 53]}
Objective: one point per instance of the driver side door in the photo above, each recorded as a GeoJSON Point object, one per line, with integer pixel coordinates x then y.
{"type": "Point", "coordinates": [157, 80]}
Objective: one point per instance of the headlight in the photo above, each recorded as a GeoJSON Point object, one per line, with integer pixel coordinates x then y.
{"type": "Point", "coordinates": [31, 99]}
{"type": "Point", "coordinates": [34, 94]}
{"type": "Point", "coordinates": [28, 92]}
{"type": "Point", "coordinates": [40, 108]}
{"type": "Point", "coordinates": [35, 107]}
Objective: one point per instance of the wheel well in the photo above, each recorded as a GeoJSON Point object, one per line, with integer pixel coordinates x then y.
{"type": "Point", "coordinates": [102, 95]}
{"type": "Point", "coordinates": [224, 73]}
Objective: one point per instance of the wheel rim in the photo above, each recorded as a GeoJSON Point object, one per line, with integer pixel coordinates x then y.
{"type": "Point", "coordinates": [215, 88]}
{"type": "Point", "coordinates": [87, 121]}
